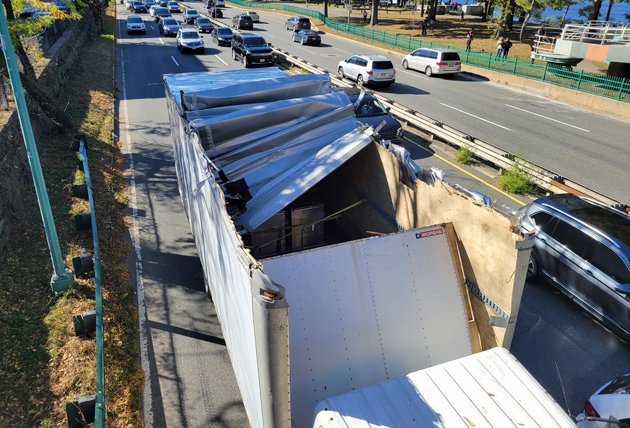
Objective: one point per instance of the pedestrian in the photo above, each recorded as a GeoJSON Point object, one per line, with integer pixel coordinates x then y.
{"type": "Point", "coordinates": [499, 53]}
{"type": "Point", "coordinates": [461, 15]}
{"type": "Point", "coordinates": [424, 27]}
{"type": "Point", "coordinates": [430, 24]}
{"type": "Point", "coordinates": [455, 6]}
{"type": "Point", "coordinates": [364, 16]}
{"type": "Point", "coordinates": [541, 31]}
{"type": "Point", "coordinates": [506, 45]}
{"type": "Point", "coordinates": [469, 38]}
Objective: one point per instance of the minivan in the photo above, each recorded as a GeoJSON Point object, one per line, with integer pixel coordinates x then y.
{"type": "Point", "coordinates": [433, 61]}
{"type": "Point", "coordinates": [298, 23]}
{"type": "Point", "coordinates": [242, 22]}
{"type": "Point", "coordinates": [583, 249]}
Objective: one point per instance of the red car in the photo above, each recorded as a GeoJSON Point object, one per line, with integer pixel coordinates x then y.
{"type": "Point", "coordinates": [214, 12]}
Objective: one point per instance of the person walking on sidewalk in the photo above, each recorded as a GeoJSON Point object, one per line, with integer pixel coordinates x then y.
{"type": "Point", "coordinates": [506, 45]}
{"type": "Point", "coordinates": [469, 38]}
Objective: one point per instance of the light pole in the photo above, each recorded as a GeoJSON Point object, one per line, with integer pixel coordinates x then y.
{"type": "Point", "coordinates": [62, 278]}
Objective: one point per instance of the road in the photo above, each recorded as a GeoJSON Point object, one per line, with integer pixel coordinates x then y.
{"type": "Point", "coordinates": [190, 379]}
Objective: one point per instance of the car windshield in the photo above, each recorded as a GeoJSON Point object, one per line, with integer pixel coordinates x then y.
{"type": "Point", "coordinates": [134, 20]}
{"type": "Point", "coordinates": [450, 56]}
{"type": "Point", "coordinates": [224, 31]}
{"type": "Point", "coordinates": [245, 18]}
{"type": "Point", "coordinates": [303, 20]}
{"type": "Point", "coordinates": [138, 3]}
{"type": "Point", "coordinates": [255, 41]}
{"type": "Point", "coordinates": [193, 12]}
{"type": "Point", "coordinates": [162, 10]}
{"type": "Point", "coordinates": [169, 22]}
{"type": "Point", "coordinates": [173, 3]}
{"type": "Point", "coordinates": [382, 65]}
{"type": "Point", "coordinates": [190, 35]}
{"type": "Point", "coordinates": [369, 107]}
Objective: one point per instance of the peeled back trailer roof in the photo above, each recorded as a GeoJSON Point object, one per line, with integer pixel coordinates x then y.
{"type": "Point", "coordinates": [487, 389]}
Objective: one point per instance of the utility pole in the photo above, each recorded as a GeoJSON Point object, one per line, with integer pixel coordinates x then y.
{"type": "Point", "coordinates": [62, 278]}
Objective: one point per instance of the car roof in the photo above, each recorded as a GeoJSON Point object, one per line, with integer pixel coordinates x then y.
{"type": "Point", "coordinates": [610, 223]}
{"type": "Point", "coordinates": [188, 30]}
{"type": "Point", "coordinates": [248, 35]}
{"type": "Point", "coordinates": [437, 49]}
{"type": "Point", "coordinates": [373, 57]}
{"type": "Point", "coordinates": [353, 93]}
{"type": "Point", "coordinates": [134, 16]}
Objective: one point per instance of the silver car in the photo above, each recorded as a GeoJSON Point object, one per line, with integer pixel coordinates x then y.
{"type": "Point", "coordinates": [368, 69]}
{"type": "Point", "coordinates": [433, 61]}
{"type": "Point", "coordinates": [583, 249]}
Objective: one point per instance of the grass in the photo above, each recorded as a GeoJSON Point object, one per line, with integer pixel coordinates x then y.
{"type": "Point", "coordinates": [42, 363]}
{"type": "Point", "coordinates": [464, 156]}
{"type": "Point", "coordinates": [514, 180]}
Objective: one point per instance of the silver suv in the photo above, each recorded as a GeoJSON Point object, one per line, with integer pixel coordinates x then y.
{"type": "Point", "coordinates": [433, 61]}
{"type": "Point", "coordinates": [583, 248]}
{"type": "Point", "coordinates": [368, 69]}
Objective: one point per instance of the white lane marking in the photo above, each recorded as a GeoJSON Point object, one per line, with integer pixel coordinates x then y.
{"type": "Point", "coordinates": [476, 117]}
{"type": "Point", "coordinates": [174, 60]}
{"type": "Point", "coordinates": [135, 238]}
{"type": "Point", "coordinates": [548, 118]}
{"type": "Point", "coordinates": [219, 58]}
{"type": "Point", "coordinates": [160, 39]}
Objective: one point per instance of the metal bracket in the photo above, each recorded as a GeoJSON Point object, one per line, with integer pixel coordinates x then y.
{"type": "Point", "coordinates": [503, 318]}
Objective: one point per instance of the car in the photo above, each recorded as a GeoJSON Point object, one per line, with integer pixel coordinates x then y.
{"type": "Point", "coordinates": [215, 13]}
{"type": "Point", "coordinates": [173, 7]}
{"type": "Point", "coordinates": [242, 22]}
{"type": "Point", "coordinates": [190, 15]}
{"type": "Point", "coordinates": [369, 111]}
{"type": "Point", "coordinates": [253, 15]}
{"type": "Point", "coordinates": [433, 61]}
{"type": "Point", "coordinates": [168, 27]}
{"type": "Point", "coordinates": [204, 25]}
{"type": "Point", "coordinates": [135, 24]}
{"type": "Point", "coordinates": [307, 37]}
{"type": "Point", "coordinates": [222, 36]}
{"type": "Point", "coordinates": [149, 3]}
{"type": "Point", "coordinates": [163, 3]}
{"type": "Point", "coordinates": [609, 406]}
{"type": "Point", "coordinates": [298, 22]}
{"type": "Point", "coordinates": [152, 9]}
{"type": "Point", "coordinates": [189, 39]}
{"type": "Point", "coordinates": [161, 13]}
{"type": "Point", "coordinates": [582, 248]}
{"type": "Point", "coordinates": [368, 70]}
{"type": "Point", "coordinates": [251, 49]}
{"type": "Point", "coordinates": [220, 3]}
{"type": "Point", "coordinates": [139, 7]}
{"type": "Point", "coordinates": [128, 4]}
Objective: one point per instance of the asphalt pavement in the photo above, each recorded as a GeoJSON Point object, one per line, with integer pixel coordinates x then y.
{"type": "Point", "coordinates": [190, 382]}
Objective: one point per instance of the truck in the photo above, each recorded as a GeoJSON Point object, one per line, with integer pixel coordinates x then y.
{"type": "Point", "coordinates": [333, 261]}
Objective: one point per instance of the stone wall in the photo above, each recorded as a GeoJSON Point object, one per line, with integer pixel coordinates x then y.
{"type": "Point", "coordinates": [52, 77]}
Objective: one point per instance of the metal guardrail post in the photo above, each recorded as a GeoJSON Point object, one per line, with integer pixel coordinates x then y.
{"type": "Point", "coordinates": [515, 64]}
{"type": "Point", "coordinates": [99, 411]}
{"type": "Point", "coordinates": [545, 72]}
{"type": "Point", "coordinates": [621, 86]}
{"type": "Point", "coordinates": [580, 79]}
{"type": "Point", "coordinates": [62, 278]}
{"type": "Point", "coordinates": [489, 59]}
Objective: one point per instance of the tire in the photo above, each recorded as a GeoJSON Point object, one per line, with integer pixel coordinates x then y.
{"type": "Point", "coordinates": [360, 82]}
{"type": "Point", "coordinates": [533, 268]}
{"type": "Point", "coordinates": [179, 46]}
{"type": "Point", "coordinates": [428, 71]}
{"type": "Point", "coordinates": [340, 73]}
{"type": "Point", "coordinates": [405, 64]}
{"type": "Point", "coordinates": [245, 63]}
{"type": "Point", "coordinates": [234, 55]}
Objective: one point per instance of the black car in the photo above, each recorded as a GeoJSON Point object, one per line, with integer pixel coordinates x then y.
{"type": "Point", "coordinates": [161, 13]}
{"type": "Point", "coordinates": [251, 49]}
{"type": "Point", "coordinates": [222, 36]}
{"type": "Point", "coordinates": [369, 111]}
{"type": "Point", "coordinates": [242, 22]}
{"type": "Point", "coordinates": [168, 26]}
{"type": "Point", "coordinates": [139, 7]}
{"type": "Point", "coordinates": [307, 37]}
{"type": "Point", "coordinates": [215, 12]}
{"type": "Point", "coordinates": [204, 25]}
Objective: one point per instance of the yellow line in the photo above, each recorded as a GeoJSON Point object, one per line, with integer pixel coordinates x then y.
{"type": "Point", "coordinates": [468, 173]}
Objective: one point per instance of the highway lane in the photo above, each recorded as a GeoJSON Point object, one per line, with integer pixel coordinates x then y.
{"type": "Point", "coordinates": [192, 383]}
{"type": "Point", "coordinates": [586, 147]}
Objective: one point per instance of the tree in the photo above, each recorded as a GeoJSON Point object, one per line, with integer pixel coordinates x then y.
{"type": "Point", "coordinates": [326, 8]}
{"type": "Point", "coordinates": [374, 15]}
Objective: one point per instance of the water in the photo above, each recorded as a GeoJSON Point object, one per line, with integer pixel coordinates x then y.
{"type": "Point", "coordinates": [617, 14]}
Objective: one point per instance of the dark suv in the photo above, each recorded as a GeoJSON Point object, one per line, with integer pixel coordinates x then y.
{"type": "Point", "coordinates": [295, 23]}
{"type": "Point", "coordinates": [242, 22]}
{"type": "Point", "coordinates": [583, 248]}
{"type": "Point", "coordinates": [251, 49]}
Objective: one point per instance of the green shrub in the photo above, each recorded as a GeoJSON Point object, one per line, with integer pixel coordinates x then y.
{"type": "Point", "coordinates": [514, 180]}
{"type": "Point", "coordinates": [464, 155]}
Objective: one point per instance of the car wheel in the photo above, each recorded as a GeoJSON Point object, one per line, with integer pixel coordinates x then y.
{"type": "Point", "coordinates": [405, 64]}
{"type": "Point", "coordinates": [234, 55]}
{"type": "Point", "coordinates": [340, 73]}
{"type": "Point", "coordinates": [428, 71]}
{"type": "Point", "coordinates": [533, 269]}
{"type": "Point", "coordinates": [360, 81]}
{"type": "Point", "coordinates": [245, 63]}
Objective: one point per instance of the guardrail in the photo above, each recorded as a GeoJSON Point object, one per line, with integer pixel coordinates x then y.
{"type": "Point", "coordinates": [601, 32]}
{"type": "Point", "coordinates": [592, 83]}
{"type": "Point", "coordinates": [484, 151]}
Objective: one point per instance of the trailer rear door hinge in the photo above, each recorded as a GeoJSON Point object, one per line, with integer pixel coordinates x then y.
{"type": "Point", "coordinates": [503, 318]}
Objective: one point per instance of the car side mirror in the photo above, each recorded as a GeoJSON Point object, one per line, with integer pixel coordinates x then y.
{"type": "Point", "coordinates": [270, 45]}
{"type": "Point", "coordinates": [623, 289]}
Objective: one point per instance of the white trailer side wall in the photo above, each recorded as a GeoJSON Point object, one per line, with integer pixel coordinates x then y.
{"type": "Point", "coordinates": [365, 311]}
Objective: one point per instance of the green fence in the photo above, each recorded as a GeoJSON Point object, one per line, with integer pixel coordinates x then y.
{"type": "Point", "coordinates": [610, 87]}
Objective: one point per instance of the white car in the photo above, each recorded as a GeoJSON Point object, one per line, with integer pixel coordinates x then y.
{"type": "Point", "coordinates": [609, 406]}
{"type": "Point", "coordinates": [190, 15]}
{"type": "Point", "coordinates": [135, 24]}
{"type": "Point", "coordinates": [254, 16]}
{"type": "Point", "coordinates": [433, 61]}
{"type": "Point", "coordinates": [128, 4]}
{"type": "Point", "coordinates": [367, 70]}
{"type": "Point", "coordinates": [189, 38]}
{"type": "Point", "coordinates": [152, 9]}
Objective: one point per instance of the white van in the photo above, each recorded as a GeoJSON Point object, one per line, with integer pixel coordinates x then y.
{"type": "Point", "coordinates": [220, 3]}
{"type": "Point", "coordinates": [433, 61]}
